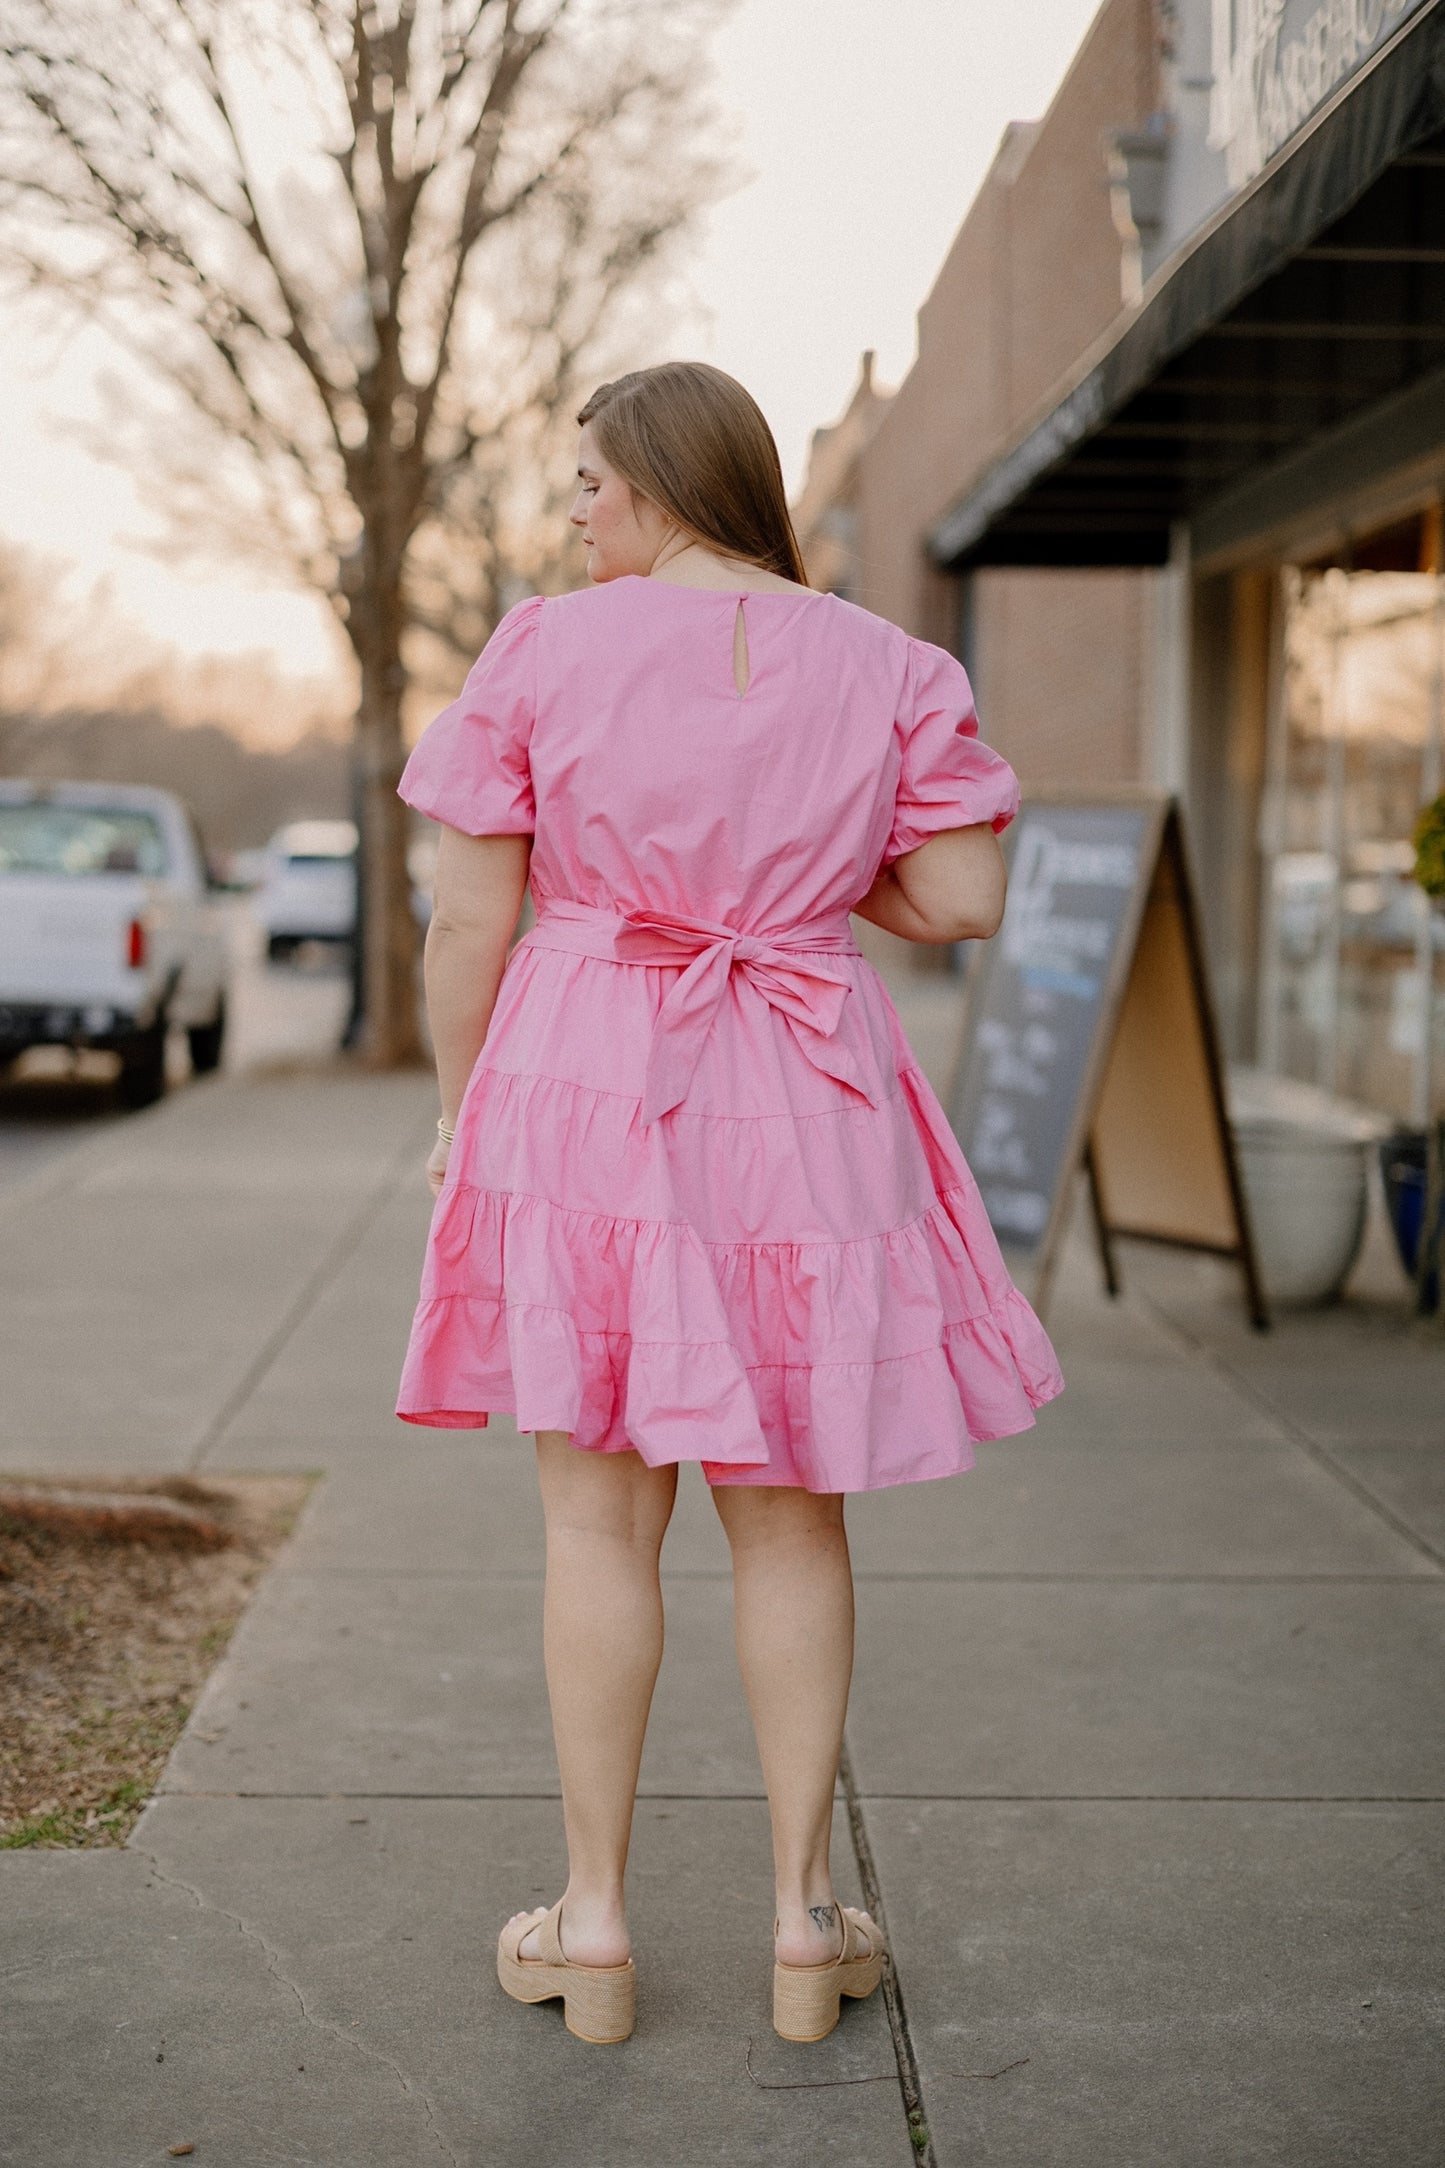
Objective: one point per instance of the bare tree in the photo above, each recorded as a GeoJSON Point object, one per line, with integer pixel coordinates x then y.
{"type": "Point", "coordinates": [365, 249]}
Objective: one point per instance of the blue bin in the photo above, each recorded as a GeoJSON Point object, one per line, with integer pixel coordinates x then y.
{"type": "Point", "coordinates": [1403, 1167]}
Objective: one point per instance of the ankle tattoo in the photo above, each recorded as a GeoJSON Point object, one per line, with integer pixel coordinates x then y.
{"type": "Point", "coordinates": [823, 1917]}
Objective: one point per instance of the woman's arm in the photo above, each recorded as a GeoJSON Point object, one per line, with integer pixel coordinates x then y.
{"type": "Point", "coordinates": [480, 882]}
{"type": "Point", "coordinates": [950, 889]}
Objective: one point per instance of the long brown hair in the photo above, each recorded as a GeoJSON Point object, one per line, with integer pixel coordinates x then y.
{"type": "Point", "coordinates": [693, 441]}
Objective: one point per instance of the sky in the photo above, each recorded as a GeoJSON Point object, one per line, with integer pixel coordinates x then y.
{"type": "Point", "coordinates": [862, 129]}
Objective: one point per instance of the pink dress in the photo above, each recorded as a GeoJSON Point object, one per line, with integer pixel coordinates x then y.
{"type": "Point", "coordinates": [702, 1202]}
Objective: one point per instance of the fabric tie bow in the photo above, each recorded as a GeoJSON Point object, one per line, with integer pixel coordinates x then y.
{"type": "Point", "coordinates": [784, 968]}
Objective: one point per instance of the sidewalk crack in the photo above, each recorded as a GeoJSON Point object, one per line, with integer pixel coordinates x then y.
{"type": "Point", "coordinates": [283, 1979]}
{"type": "Point", "coordinates": [910, 2084]}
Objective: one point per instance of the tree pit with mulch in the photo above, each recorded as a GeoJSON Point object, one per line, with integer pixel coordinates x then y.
{"type": "Point", "coordinates": [116, 1599]}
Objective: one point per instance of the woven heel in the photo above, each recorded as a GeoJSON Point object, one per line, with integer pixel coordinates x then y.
{"type": "Point", "coordinates": [598, 2001]}
{"type": "Point", "coordinates": [807, 1999]}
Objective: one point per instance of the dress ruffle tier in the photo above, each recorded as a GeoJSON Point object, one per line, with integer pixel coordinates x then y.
{"type": "Point", "coordinates": [848, 1365]}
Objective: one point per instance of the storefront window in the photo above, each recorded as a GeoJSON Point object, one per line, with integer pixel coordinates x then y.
{"type": "Point", "coordinates": [1353, 978]}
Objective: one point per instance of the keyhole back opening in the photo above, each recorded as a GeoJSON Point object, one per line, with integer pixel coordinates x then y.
{"type": "Point", "coordinates": [742, 663]}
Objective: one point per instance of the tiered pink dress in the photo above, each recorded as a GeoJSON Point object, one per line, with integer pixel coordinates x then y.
{"type": "Point", "coordinates": [701, 1201]}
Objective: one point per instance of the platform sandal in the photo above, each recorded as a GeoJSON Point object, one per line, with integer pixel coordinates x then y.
{"type": "Point", "coordinates": [807, 1999]}
{"type": "Point", "coordinates": [597, 2000]}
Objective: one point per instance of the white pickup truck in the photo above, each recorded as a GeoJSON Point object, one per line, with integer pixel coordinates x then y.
{"type": "Point", "coordinates": [109, 934]}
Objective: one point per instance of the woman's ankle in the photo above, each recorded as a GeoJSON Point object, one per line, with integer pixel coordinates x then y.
{"type": "Point", "coordinates": [594, 1926]}
{"type": "Point", "coordinates": [810, 1928]}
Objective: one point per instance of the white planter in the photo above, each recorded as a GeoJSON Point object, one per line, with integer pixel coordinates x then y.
{"type": "Point", "coordinates": [1306, 1191]}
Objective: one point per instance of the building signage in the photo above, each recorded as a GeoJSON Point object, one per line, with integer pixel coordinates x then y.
{"type": "Point", "coordinates": [1274, 62]}
{"type": "Point", "coordinates": [1241, 79]}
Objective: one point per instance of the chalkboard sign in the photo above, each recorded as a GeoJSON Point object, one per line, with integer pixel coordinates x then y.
{"type": "Point", "coordinates": [1073, 877]}
{"type": "Point", "coordinates": [1089, 1042]}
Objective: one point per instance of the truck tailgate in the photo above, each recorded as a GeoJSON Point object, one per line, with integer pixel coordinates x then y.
{"type": "Point", "coordinates": [66, 940]}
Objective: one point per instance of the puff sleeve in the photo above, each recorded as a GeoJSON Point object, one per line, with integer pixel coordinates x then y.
{"type": "Point", "coordinates": [949, 778]}
{"type": "Point", "coordinates": [470, 768]}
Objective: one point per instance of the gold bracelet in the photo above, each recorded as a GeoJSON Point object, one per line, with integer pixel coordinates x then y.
{"type": "Point", "coordinates": [447, 1135]}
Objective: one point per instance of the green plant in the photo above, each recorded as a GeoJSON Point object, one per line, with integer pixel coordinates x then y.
{"type": "Point", "coordinates": [1430, 848]}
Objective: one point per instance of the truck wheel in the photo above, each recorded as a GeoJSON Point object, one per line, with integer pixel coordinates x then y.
{"type": "Point", "coordinates": [142, 1078]}
{"type": "Point", "coordinates": [207, 1040]}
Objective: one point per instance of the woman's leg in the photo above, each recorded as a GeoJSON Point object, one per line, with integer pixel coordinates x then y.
{"type": "Point", "coordinates": [793, 1611]}
{"type": "Point", "coordinates": [606, 1516]}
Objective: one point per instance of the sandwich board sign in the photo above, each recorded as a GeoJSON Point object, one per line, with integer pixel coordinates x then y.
{"type": "Point", "coordinates": [1089, 1044]}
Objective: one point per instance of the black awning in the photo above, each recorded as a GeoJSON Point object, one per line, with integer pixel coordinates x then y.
{"type": "Point", "coordinates": [1319, 295]}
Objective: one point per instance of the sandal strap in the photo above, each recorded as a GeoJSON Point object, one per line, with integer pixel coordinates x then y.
{"type": "Point", "coordinates": [855, 1938]}
{"type": "Point", "coordinates": [509, 1941]}
{"type": "Point", "coordinates": [549, 1936]}
{"type": "Point", "coordinates": [515, 1933]}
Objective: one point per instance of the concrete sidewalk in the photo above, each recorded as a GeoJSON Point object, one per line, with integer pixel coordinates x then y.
{"type": "Point", "coordinates": [1146, 1738]}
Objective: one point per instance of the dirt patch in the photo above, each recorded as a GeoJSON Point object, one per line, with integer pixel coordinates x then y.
{"type": "Point", "coordinates": [109, 1625]}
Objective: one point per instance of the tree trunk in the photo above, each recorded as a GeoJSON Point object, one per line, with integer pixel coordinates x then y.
{"type": "Point", "coordinates": [391, 1035]}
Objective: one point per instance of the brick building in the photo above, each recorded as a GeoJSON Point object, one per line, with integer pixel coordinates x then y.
{"type": "Point", "coordinates": [1177, 412]}
{"type": "Point", "coordinates": [825, 515]}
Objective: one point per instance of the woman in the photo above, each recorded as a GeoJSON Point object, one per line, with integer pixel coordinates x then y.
{"type": "Point", "coordinates": [696, 1201]}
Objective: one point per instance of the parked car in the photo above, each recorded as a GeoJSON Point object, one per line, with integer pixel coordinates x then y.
{"type": "Point", "coordinates": [307, 890]}
{"type": "Point", "coordinates": [109, 933]}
